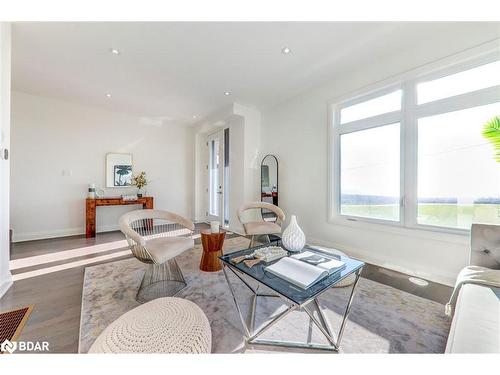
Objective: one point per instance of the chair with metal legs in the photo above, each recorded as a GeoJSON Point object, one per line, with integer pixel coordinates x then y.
{"type": "Point", "coordinates": [156, 237]}
{"type": "Point", "coordinates": [261, 227]}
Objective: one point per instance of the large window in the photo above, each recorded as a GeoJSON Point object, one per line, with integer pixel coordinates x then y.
{"type": "Point", "coordinates": [369, 108]}
{"type": "Point", "coordinates": [415, 155]}
{"type": "Point", "coordinates": [482, 77]}
{"type": "Point", "coordinates": [458, 178]}
{"type": "Point", "coordinates": [370, 173]}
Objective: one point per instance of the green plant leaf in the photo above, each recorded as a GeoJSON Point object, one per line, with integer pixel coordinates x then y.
{"type": "Point", "coordinates": [491, 131]}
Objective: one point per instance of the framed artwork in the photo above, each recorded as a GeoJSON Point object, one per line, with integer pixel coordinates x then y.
{"type": "Point", "coordinates": [118, 170]}
{"type": "Point", "coordinates": [122, 175]}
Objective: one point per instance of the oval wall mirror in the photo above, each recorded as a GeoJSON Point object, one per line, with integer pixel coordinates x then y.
{"type": "Point", "coordinates": [269, 184]}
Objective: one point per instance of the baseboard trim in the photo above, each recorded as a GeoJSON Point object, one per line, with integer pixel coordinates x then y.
{"type": "Point", "coordinates": [43, 235]}
{"type": "Point", "coordinates": [5, 285]}
{"type": "Point", "coordinates": [440, 278]}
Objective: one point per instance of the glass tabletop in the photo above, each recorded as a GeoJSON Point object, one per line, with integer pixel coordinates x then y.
{"type": "Point", "coordinates": [285, 288]}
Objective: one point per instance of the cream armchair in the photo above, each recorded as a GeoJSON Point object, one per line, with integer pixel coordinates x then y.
{"type": "Point", "coordinates": [261, 227]}
{"type": "Point", "coordinates": [156, 238]}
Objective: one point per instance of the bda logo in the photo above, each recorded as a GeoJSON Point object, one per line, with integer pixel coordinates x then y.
{"type": "Point", "coordinates": [24, 346]}
{"type": "Point", "coordinates": [8, 346]}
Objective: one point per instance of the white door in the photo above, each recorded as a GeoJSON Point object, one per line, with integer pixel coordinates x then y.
{"type": "Point", "coordinates": [215, 143]}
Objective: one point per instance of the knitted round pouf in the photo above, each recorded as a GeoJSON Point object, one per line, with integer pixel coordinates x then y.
{"type": "Point", "coordinates": [164, 325]}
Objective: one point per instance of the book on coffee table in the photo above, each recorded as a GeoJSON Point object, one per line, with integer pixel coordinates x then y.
{"type": "Point", "coordinates": [305, 269]}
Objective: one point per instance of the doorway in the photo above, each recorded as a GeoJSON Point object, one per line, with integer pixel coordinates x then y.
{"type": "Point", "coordinates": [218, 177]}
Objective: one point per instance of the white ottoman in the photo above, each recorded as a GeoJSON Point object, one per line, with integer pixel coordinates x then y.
{"type": "Point", "coordinates": [164, 325]}
{"type": "Point", "coordinates": [349, 280]}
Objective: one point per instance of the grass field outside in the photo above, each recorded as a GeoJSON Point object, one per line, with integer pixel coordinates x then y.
{"type": "Point", "coordinates": [438, 214]}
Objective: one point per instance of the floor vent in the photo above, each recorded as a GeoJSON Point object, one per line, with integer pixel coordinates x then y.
{"type": "Point", "coordinates": [12, 322]}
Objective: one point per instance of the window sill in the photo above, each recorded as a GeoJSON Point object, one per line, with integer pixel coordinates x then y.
{"type": "Point", "coordinates": [460, 237]}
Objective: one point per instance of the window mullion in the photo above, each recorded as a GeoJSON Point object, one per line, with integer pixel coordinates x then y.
{"type": "Point", "coordinates": [456, 103]}
{"type": "Point", "coordinates": [334, 167]}
{"type": "Point", "coordinates": [409, 155]}
{"type": "Point", "coordinates": [371, 122]}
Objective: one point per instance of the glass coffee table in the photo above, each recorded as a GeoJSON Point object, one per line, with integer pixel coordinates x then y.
{"type": "Point", "coordinates": [293, 297]}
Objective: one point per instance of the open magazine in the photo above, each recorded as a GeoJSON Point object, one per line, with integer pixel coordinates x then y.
{"type": "Point", "coordinates": [305, 269]}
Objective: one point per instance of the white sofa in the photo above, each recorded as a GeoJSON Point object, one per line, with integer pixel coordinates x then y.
{"type": "Point", "coordinates": [475, 327]}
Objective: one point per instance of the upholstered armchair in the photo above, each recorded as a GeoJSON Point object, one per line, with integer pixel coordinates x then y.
{"type": "Point", "coordinates": [261, 227]}
{"type": "Point", "coordinates": [156, 237]}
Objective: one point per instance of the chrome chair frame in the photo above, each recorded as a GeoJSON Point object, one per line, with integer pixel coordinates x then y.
{"type": "Point", "coordinates": [160, 279]}
{"type": "Point", "coordinates": [280, 217]}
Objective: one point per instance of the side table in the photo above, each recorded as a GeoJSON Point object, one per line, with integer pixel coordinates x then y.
{"type": "Point", "coordinates": [212, 250]}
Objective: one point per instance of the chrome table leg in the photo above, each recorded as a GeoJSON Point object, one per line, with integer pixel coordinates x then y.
{"type": "Point", "coordinates": [322, 324]}
{"type": "Point", "coordinates": [348, 307]}
{"type": "Point", "coordinates": [236, 302]}
{"type": "Point", "coordinates": [322, 328]}
{"type": "Point", "coordinates": [324, 318]}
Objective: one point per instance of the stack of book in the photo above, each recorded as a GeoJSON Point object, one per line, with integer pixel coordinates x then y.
{"type": "Point", "coordinates": [129, 197]}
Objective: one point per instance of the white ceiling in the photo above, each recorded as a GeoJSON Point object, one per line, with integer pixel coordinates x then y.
{"type": "Point", "coordinates": [176, 70]}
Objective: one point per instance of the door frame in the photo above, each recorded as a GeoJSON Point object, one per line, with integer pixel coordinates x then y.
{"type": "Point", "coordinates": [5, 86]}
{"type": "Point", "coordinates": [223, 184]}
{"type": "Point", "coordinates": [212, 137]}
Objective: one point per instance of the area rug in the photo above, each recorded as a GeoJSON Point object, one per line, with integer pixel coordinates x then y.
{"type": "Point", "coordinates": [382, 320]}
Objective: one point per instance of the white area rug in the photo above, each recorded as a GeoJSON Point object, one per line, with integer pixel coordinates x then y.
{"type": "Point", "coordinates": [382, 319]}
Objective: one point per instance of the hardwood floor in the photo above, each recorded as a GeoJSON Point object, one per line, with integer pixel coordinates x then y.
{"type": "Point", "coordinates": [57, 298]}
{"type": "Point", "coordinates": [433, 291]}
{"type": "Point", "coordinates": [57, 294]}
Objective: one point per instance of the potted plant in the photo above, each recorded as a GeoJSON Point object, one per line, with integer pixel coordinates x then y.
{"type": "Point", "coordinates": [140, 181]}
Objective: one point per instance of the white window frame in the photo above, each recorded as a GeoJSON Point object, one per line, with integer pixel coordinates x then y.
{"type": "Point", "coordinates": [408, 119]}
{"type": "Point", "coordinates": [358, 125]}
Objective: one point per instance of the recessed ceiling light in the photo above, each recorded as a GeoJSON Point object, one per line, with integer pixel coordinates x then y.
{"type": "Point", "coordinates": [227, 93]}
{"type": "Point", "coordinates": [108, 95]}
{"type": "Point", "coordinates": [114, 51]}
{"type": "Point", "coordinates": [194, 116]}
{"type": "Point", "coordinates": [286, 50]}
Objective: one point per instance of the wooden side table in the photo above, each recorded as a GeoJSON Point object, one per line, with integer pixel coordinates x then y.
{"type": "Point", "coordinates": [212, 250]}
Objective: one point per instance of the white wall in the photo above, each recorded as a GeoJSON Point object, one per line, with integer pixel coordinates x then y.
{"type": "Point", "coordinates": [244, 149]}
{"type": "Point", "coordinates": [5, 53]}
{"type": "Point", "coordinates": [51, 137]}
{"type": "Point", "coordinates": [297, 132]}
{"type": "Point", "coordinates": [251, 152]}
{"type": "Point", "coordinates": [236, 170]}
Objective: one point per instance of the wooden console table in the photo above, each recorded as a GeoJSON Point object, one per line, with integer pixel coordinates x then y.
{"type": "Point", "coordinates": [91, 205]}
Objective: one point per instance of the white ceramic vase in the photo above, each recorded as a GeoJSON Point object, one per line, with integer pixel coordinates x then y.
{"type": "Point", "coordinates": [293, 239]}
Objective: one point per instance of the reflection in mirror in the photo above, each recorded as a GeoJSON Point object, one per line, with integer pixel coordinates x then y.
{"type": "Point", "coordinates": [269, 184]}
